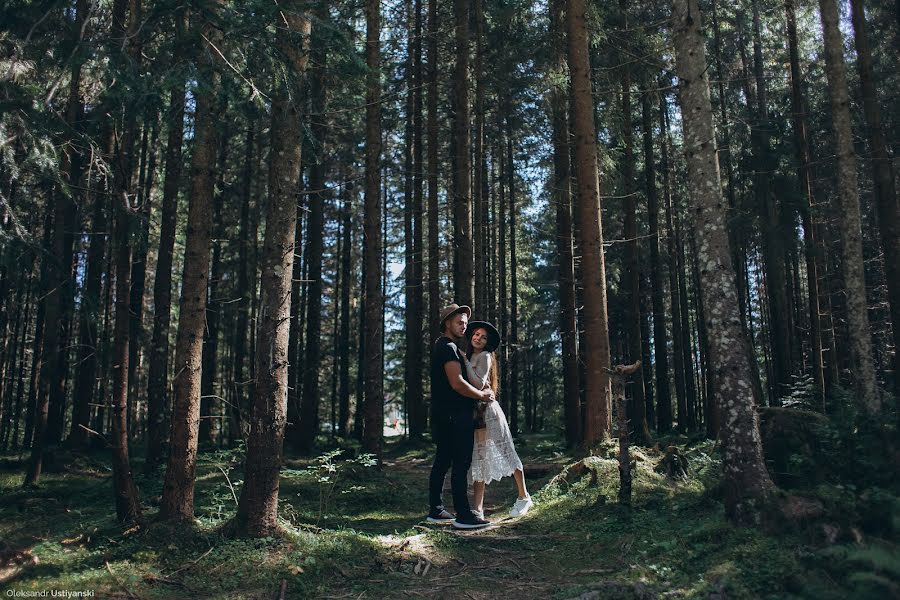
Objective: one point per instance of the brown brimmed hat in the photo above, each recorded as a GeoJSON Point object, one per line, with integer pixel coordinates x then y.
{"type": "Point", "coordinates": [451, 310]}
{"type": "Point", "coordinates": [493, 335]}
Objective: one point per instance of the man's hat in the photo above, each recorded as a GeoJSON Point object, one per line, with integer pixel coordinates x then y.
{"type": "Point", "coordinates": [493, 335]}
{"type": "Point", "coordinates": [452, 310]}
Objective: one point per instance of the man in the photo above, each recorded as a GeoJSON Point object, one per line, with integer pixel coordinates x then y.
{"type": "Point", "coordinates": [453, 429]}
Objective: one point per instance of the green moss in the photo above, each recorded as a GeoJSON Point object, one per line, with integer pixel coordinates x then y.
{"type": "Point", "coordinates": [675, 538]}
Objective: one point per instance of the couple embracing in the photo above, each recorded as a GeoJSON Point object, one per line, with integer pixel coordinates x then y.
{"type": "Point", "coordinates": [468, 425]}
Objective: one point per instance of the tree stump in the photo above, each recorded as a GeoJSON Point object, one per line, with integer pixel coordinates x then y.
{"type": "Point", "coordinates": [618, 376]}
{"type": "Point", "coordinates": [674, 463]}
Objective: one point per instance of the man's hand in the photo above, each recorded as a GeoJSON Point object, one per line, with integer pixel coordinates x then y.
{"type": "Point", "coordinates": [459, 383]}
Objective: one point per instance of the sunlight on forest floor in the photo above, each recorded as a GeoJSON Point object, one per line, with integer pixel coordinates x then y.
{"type": "Point", "coordinates": [366, 539]}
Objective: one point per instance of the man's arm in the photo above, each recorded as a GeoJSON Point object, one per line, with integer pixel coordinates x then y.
{"type": "Point", "coordinates": [462, 386]}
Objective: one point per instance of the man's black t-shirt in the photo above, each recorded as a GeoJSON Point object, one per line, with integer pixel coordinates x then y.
{"type": "Point", "coordinates": [446, 400]}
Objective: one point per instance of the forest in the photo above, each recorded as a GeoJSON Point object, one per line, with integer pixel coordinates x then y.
{"type": "Point", "coordinates": [229, 229]}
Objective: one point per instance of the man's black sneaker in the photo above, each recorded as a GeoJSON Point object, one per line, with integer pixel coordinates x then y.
{"type": "Point", "coordinates": [470, 522]}
{"type": "Point", "coordinates": [439, 516]}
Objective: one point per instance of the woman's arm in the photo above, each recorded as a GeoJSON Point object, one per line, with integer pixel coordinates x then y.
{"type": "Point", "coordinates": [472, 374]}
{"type": "Point", "coordinates": [481, 370]}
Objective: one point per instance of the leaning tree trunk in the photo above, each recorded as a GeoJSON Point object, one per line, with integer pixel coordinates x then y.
{"type": "Point", "coordinates": [596, 331]}
{"type": "Point", "coordinates": [561, 190]}
{"type": "Point", "coordinates": [257, 513]}
{"type": "Point", "coordinates": [178, 490]}
{"type": "Point", "coordinates": [748, 489]}
{"type": "Point", "coordinates": [373, 425]}
{"type": "Point", "coordinates": [883, 176]}
{"type": "Point", "coordinates": [848, 216]}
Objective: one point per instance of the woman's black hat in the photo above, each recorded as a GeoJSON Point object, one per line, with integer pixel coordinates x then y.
{"type": "Point", "coordinates": [493, 335]}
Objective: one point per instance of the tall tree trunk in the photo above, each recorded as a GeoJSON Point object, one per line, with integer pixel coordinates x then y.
{"type": "Point", "coordinates": [771, 224]}
{"type": "Point", "coordinates": [637, 412]}
{"type": "Point", "coordinates": [344, 335]}
{"type": "Point", "coordinates": [210, 430]}
{"type": "Point", "coordinates": [882, 175]}
{"type": "Point", "coordinates": [848, 216]}
{"type": "Point", "coordinates": [464, 263]}
{"type": "Point", "coordinates": [414, 402]}
{"type": "Point", "coordinates": [664, 422]}
{"type": "Point", "coordinates": [748, 488]}
{"type": "Point", "coordinates": [504, 308]}
{"type": "Point", "coordinates": [434, 289]}
{"type": "Point", "coordinates": [178, 490]}
{"type": "Point", "coordinates": [158, 369]}
{"type": "Point", "coordinates": [309, 407]}
{"type": "Point", "coordinates": [801, 144]}
{"type": "Point", "coordinates": [128, 507]}
{"type": "Point", "coordinates": [596, 347]}
{"type": "Point", "coordinates": [686, 421]}
{"type": "Point", "coordinates": [417, 419]}
{"type": "Point", "coordinates": [513, 342]}
{"type": "Point", "coordinates": [374, 317]}
{"type": "Point", "coordinates": [239, 410]}
{"type": "Point", "coordinates": [139, 266]}
{"type": "Point", "coordinates": [257, 512]}
{"type": "Point", "coordinates": [479, 185]}
{"type": "Point", "coordinates": [90, 317]}
{"type": "Point", "coordinates": [561, 191]}
{"type": "Point", "coordinates": [657, 284]}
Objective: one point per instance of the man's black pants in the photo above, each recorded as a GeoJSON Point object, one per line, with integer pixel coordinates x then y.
{"type": "Point", "coordinates": [454, 435]}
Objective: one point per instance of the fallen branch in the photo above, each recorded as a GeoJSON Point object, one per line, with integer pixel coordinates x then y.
{"type": "Point", "coordinates": [192, 563]}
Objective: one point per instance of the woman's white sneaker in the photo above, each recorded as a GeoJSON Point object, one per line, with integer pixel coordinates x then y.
{"type": "Point", "coordinates": [522, 506]}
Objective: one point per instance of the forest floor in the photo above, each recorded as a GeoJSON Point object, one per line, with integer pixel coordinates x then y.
{"type": "Point", "coordinates": [360, 535]}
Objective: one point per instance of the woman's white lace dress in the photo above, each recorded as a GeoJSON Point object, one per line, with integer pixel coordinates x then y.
{"type": "Point", "coordinates": [494, 455]}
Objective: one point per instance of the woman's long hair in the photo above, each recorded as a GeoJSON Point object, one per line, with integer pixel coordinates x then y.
{"type": "Point", "coordinates": [494, 375]}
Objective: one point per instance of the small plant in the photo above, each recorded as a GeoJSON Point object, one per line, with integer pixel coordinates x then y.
{"type": "Point", "coordinates": [327, 471]}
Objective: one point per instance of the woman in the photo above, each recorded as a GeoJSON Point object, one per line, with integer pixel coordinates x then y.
{"type": "Point", "coordinates": [494, 455]}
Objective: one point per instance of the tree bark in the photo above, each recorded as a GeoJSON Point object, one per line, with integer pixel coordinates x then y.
{"type": "Point", "coordinates": [434, 277]}
{"type": "Point", "coordinates": [464, 263]}
{"type": "Point", "coordinates": [374, 316]}
{"type": "Point", "coordinates": [210, 431]}
{"type": "Point", "coordinates": [637, 412]}
{"type": "Point", "coordinates": [657, 284]}
{"type": "Point", "coordinates": [848, 214]}
{"type": "Point", "coordinates": [239, 410]}
{"type": "Point", "coordinates": [257, 512]}
{"type": "Point", "coordinates": [770, 219]}
{"type": "Point", "coordinates": [882, 175]}
{"type": "Point", "coordinates": [561, 194]}
{"type": "Point", "coordinates": [664, 419]}
{"type": "Point", "coordinates": [596, 347]}
{"type": "Point", "coordinates": [748, 489]}
{"type": "Point", "coordinates": [128, 507]}
{"type": "Point", "coordinates": [344, 335]}
{"type": "Point", "coordinates": [513, 342]}
{"type": "Point", "coordinates": [178, 490]}
{"type": "Point", "coordinates": [801, 145]}
{"type": "Point", "coordinates": [158, 370]}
